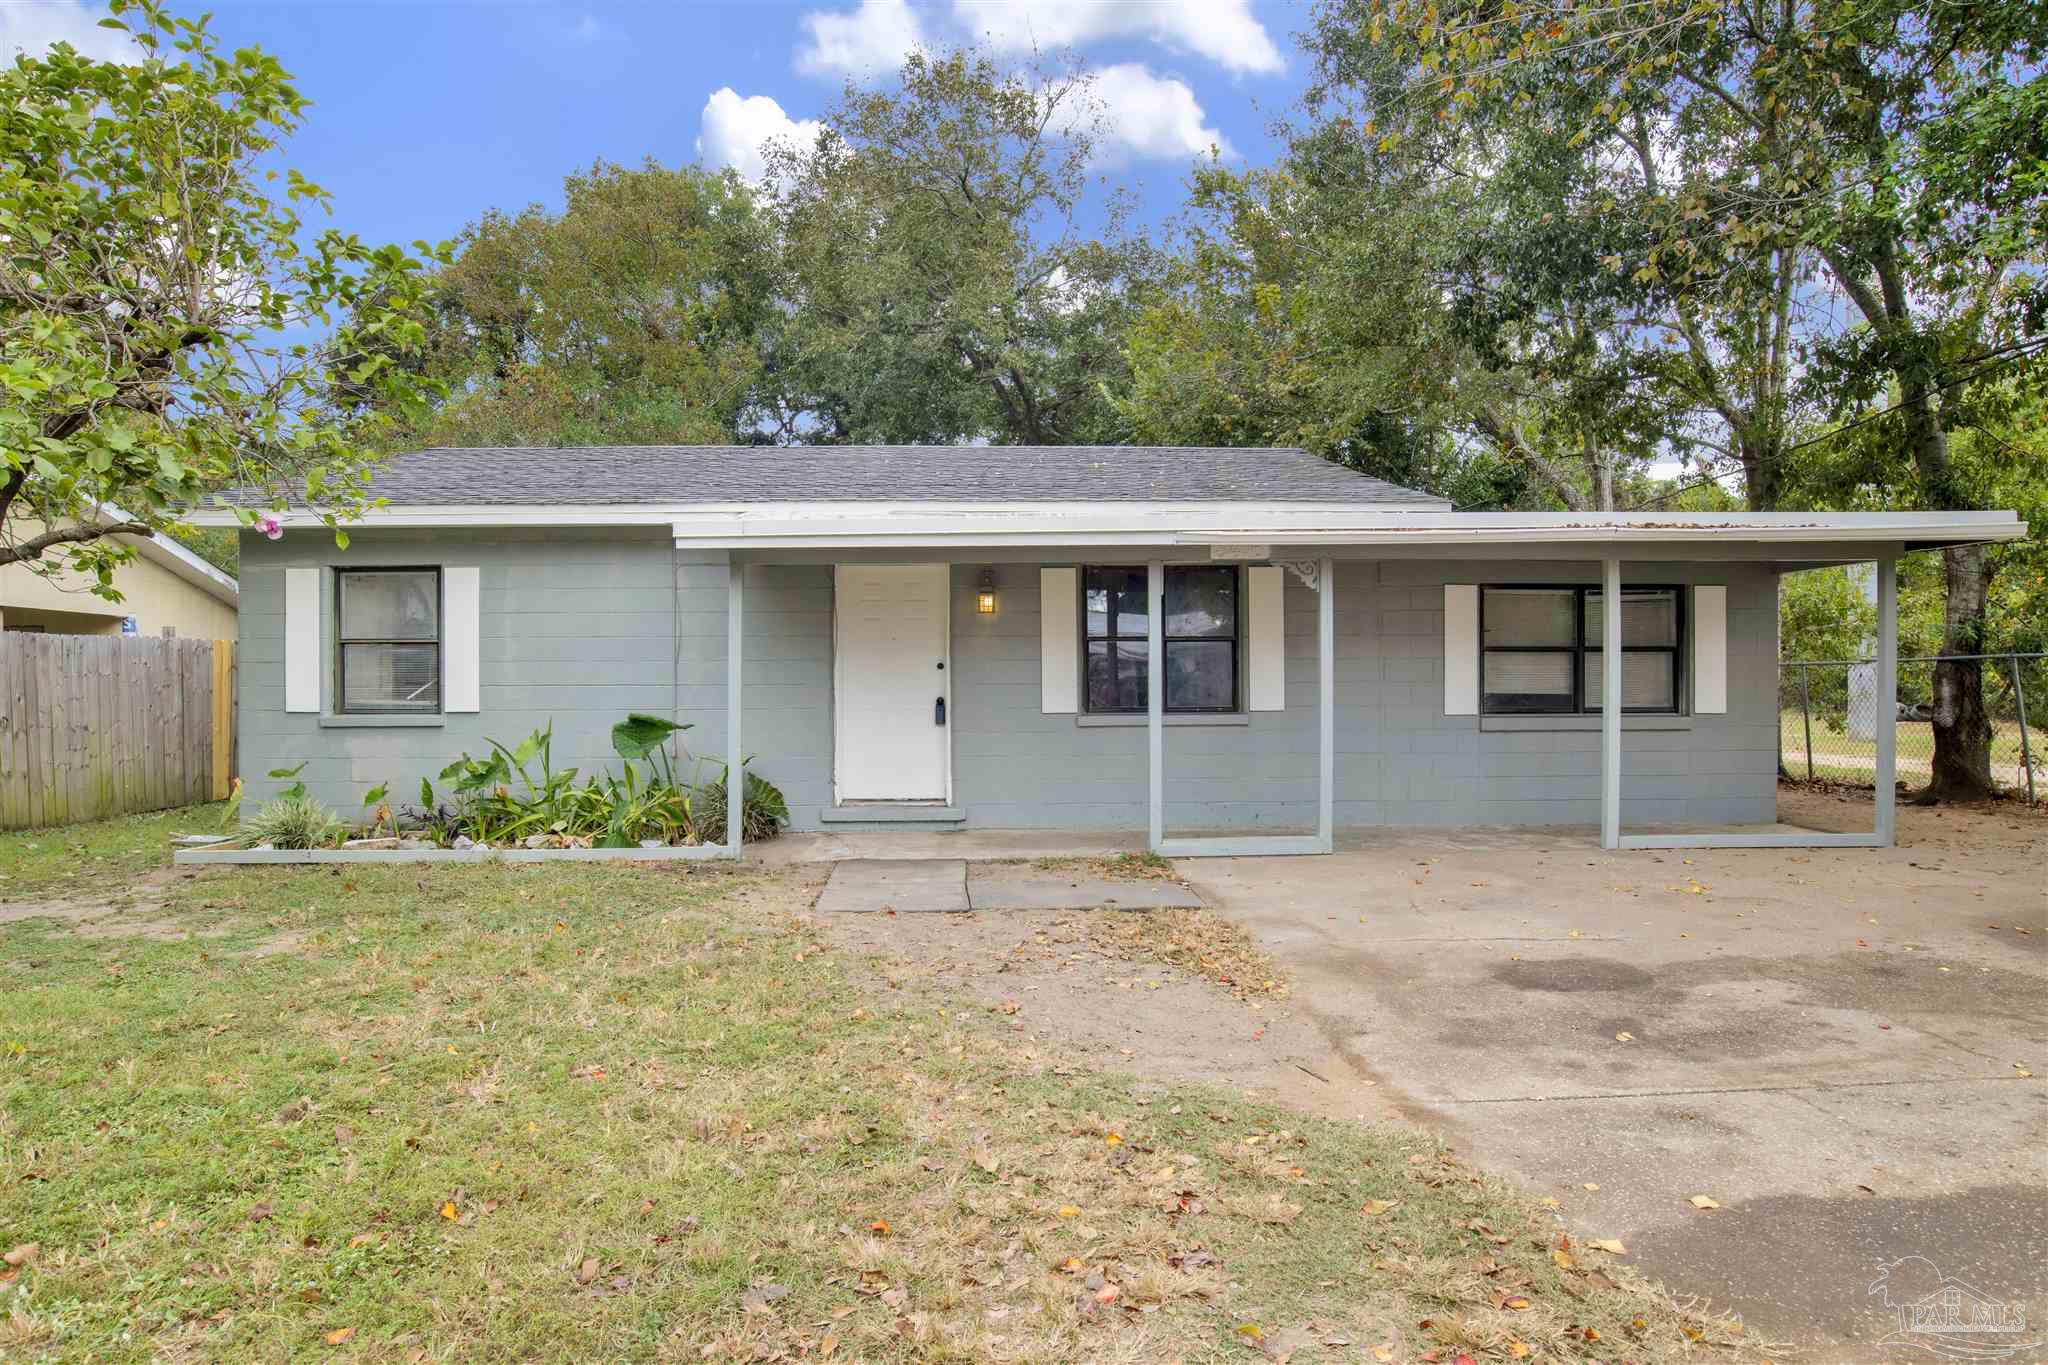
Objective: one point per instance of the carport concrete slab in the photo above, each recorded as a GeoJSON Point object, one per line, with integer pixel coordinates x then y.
{"type": "Point", "coordinates": [1843, 1048]}
{"type": "Point", "coordinates": [871, 886]}
{"type": "Point", "coordinates": [1001, 888]}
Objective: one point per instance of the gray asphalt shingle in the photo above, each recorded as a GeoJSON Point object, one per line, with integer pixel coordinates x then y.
{"type": "Point", "coordinates": [599, 475]}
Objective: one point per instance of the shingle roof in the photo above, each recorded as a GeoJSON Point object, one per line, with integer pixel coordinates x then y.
{"type": "Point", "coordinates": [600, 475]}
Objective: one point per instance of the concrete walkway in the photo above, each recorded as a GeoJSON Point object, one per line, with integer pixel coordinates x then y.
{"type": "Point", "coordinates": [953, 886]}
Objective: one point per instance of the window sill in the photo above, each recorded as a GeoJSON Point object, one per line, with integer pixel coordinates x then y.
{"type": "Point", "coordinates": [366, 720]}
{"type": "Point", "coordinates": [1512, 723]}
{"type": "Point", "coordinates": [1087, 721]}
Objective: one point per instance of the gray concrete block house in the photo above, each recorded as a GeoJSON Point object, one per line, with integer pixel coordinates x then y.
{"type": "Point", "coordinates": [972, 637]}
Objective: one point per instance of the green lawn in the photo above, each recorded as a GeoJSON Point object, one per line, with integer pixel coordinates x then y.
{"type": "Point", "coordinates": [601, 1112]}
{"type": "Point", "coordinates": [68, 860]}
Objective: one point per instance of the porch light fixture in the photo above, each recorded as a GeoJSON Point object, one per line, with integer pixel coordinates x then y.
{"type": "Point", "coordinates": [985, 594]}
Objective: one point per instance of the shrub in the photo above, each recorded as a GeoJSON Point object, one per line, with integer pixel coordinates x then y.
{"type": "Point", "coordinates": [294, 820]}
{"type": "Point", "coordinates": [761, 817]}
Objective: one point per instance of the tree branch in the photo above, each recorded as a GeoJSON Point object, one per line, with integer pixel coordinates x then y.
{"type": "Point", "coordinates": [32, 549]}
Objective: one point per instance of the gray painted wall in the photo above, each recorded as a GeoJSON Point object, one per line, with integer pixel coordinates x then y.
{"type": "Point", "coordinates": [585, 626]}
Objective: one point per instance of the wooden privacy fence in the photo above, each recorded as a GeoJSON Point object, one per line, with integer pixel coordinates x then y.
{"type": "Point", "coordinates": [100, 725]}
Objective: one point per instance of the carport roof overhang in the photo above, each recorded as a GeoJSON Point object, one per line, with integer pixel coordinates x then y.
{"type": "Point", "coordinates": [1786, 540]}
{"type": "Point", "coordinates": [1225, 530]}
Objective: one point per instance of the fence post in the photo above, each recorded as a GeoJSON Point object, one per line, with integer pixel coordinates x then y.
{"type": "Point", "coordinates": [1806, 715]}
{"type": "Point", "coordinates": [2019, 696]}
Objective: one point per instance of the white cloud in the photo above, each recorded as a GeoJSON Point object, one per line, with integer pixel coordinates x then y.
{"type": "Point", "coordinates": [733, 130]}
{"type": "Point", "coordinates": [871, 40]}
{"type": "Point", "coordinates": [32, 26]}
{"type": "Point", "coordinates": [1223, 31]}
{"type": "Point", "coordinates": [1150, 116]}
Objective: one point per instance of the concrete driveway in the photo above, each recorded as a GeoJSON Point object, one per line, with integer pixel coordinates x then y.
{"type": "Point", "coordinates": [1834, 1046]}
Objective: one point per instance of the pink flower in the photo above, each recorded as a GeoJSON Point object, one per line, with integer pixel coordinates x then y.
{"type": "Point", "coordinates": [270, 526]}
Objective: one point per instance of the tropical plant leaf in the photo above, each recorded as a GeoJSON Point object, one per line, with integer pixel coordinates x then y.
{"type": "Point", "coordinates": [639, 735]}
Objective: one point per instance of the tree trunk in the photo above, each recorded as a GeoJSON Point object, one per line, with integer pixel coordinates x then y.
{"type": "Point", "coordinates": [1962, 727]}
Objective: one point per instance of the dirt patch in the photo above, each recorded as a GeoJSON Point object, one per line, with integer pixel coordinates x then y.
{"type": "Point", "coordinates": [2006, 826]}
{"type": "Point", "coordinates": [1170, 996]}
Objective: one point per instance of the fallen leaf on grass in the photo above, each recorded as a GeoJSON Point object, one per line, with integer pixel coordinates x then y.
{"type": "Point", "coordinates": [449, 1211]}
{"type": "Point", "coordinates": [1611, 1245]}
{"type": "Point", "coordinates": [1624, 1037]}
{"type": "Point", "coordinates": [1519, 1350]}
{"type": "Point", "coordinates": [1700, 1201]}
{"type": "Point", "coordinates": [879, 1227]}
{"type": "Point", "coordinates": [758, 1297]}
{"type": "Point", "coordinates": [1377, 1206]}
{"type": "Point", "coordinates": [587, 1272]}
{"type": "Point", "coordinates": [1518, 1303]}
{"type": "Point", "coordinates": [23, 1254]}
{"type": "Point", "coordinates": [1069, 1211]}
{"type": "Point", "coordinates": [1562, 1260]}
{"type": "Point", "coordinates": [339, 1335]}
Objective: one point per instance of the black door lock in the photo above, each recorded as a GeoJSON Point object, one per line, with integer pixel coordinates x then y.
{"type": "Point", "coordinates": [939, 711]}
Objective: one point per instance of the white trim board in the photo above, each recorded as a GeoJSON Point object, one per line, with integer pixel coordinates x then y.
{"type": "Point", "coordinates": [303, 661]}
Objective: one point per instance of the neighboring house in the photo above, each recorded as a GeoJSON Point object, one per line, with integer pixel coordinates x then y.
{"type": "Point", "coordinates": [949, 637]}
{"type": "Point", "coordinates": [165, 590]}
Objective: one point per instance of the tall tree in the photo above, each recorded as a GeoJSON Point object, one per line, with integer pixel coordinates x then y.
{"type": "Point", "coordinates": [939, 280]}
{"type": "Point", "coordinates": [149, 282]}
{"type": "Point", "coordinates": [633, 315]}
{"type": "Point", "coordinates": [1896, 145]}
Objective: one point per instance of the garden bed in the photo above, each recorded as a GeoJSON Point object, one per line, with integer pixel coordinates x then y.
{"type": "Point", "coordinates": [477, 854]}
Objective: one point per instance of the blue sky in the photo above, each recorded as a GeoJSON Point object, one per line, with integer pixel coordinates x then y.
{"type": "Point", "coordinates": [425, 114]}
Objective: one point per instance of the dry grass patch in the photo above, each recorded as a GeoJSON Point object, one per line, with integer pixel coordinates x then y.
{"type": "Point", "coordinates": [584, 1112]}
{"type": "Point", "coordinates": [1198, 941]}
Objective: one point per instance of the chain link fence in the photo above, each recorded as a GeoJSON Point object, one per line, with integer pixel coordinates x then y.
{"type": "Point", "coordinates": [1827, 719]}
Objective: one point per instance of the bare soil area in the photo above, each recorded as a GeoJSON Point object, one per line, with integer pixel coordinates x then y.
{"type": "Point", "coordinates": [1169, 996]}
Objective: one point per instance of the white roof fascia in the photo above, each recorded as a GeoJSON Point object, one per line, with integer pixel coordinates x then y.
{"type": "Point", "coordinates": [188, 566]}
{"type": "Point", "coordinates": [169, 554]}
{"type": "Point", "coordinates": [823, 525]}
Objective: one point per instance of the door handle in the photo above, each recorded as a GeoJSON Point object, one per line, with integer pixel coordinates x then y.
{"type": "Point", "coordinates": [939, 711]}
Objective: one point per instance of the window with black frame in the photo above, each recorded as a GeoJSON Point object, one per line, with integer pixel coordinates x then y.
{"type": "Point", "coordinates": [1200, 635]}
{"type": "Point", "coordinates": [388, 640]}
{"type": "Point", "coordinates": [1540, 650]}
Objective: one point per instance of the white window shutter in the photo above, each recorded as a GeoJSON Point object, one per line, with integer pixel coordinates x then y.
{"type": "Point", "coordinates": [1266, 622]}
{"type": "Point", "coordinates": [1710, 650]}
{"type": "Point", "coordinates": [1059, 640]}
{"type": "Point", "coordinates": [461, 642]}
{"type": "Point", "coordinates": [1461, 649]}
{"type": "Point", "coordinates": [302, 653]}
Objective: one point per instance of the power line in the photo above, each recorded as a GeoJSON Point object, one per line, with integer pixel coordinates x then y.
{"type": "Point", "coordinates": [1992, 362]}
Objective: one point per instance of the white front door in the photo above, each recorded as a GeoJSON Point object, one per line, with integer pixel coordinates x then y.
{"type": "Point", "coordinates": [892, 682]}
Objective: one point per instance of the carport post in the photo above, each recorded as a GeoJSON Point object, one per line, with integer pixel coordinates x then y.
{"type": "Point", "coordinates": [735, 759]}
{"type": "Point", "coordinates": [1155, 695]}
{"type": "Point", "coordinates": [1326, 703]}
{"type": "Point", "coordinates": [1610, 704]}
{"type": "Point", "coordinates": [1887, 727]}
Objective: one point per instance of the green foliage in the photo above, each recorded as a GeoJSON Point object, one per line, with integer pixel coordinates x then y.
{"type": "Point", "coordinates": [294, 822]}
{"type": "Point", "coordinates": [297, 790]}
{"type": "Point", "coordinates": [515, 793]}
{"type": "Point", "coordinates": [937, 281]}
{"type": "Point", "coordinates": [1823, 614]}
{"type": "Point", "coordinates": [152, 263]}
{"type": "Point", "coordinates": [762, 815]}
{"type": "Point", "coordinates": [632, 316]}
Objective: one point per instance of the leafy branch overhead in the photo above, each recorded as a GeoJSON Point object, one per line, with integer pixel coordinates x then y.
{"type": "Point", "coordinates": [169, 324]}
